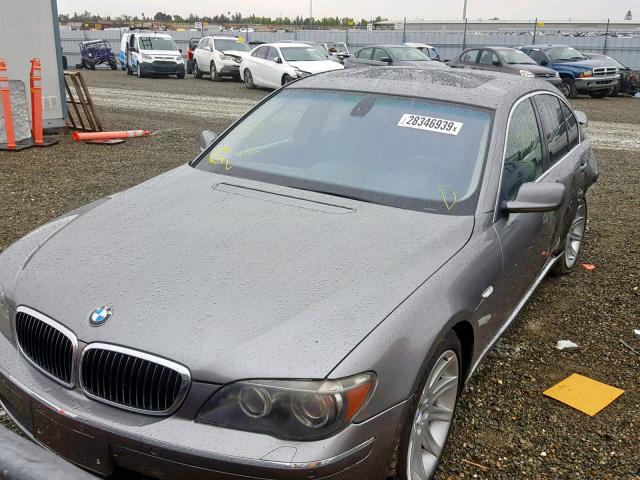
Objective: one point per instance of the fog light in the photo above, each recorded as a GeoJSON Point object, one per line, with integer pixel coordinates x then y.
{"type": "Point", "coordinates": [255, 402]}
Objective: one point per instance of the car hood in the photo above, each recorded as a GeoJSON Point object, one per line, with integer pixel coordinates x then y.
{"type": "Point", "coordinates": [235, 278]}
{"type": "Point", "coordinates": [236, 53]}
{"type": "Point", "coordinates": [587, 64]}
{"type": "Point", "coordinates": [533, 68]}
{"type": "Point", "coordinates": [317, 66]}
{"type": "Point", "coordinates": [161, 53]}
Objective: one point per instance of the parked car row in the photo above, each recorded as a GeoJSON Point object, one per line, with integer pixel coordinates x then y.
{"type": "Point", "coordinates": [261, 64]}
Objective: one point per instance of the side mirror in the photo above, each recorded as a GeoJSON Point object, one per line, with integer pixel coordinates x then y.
{"type": "Point", "coordinates": [536, 197]}
{"type": "Point", "coordinates": [496, 63]}
{"type": "Point", "coordinates": [180, 50]}
{"type": "Point", "coordinates": [544, 62]}
{"type": "Point", "coordinates": [581, 117]}
{"type": "Point", "coordinates": [385, 60]}
{"type": "Point", "coordinates": [207, 137]}
{"type": "Point", "coordinates": [279, 60]}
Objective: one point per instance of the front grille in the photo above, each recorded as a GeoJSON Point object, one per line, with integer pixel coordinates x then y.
{"type": "Point", "coordinates": [604, 71]}
{"type": "Point", "coordinates": [545, 75]}
{"type": "Point", "coordinates": [49, 346]}
{"type": "Point", "coordinates": [133, 380]}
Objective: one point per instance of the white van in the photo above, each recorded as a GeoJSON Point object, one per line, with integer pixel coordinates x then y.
{"type": "Point", "coordinates": [146, 53]}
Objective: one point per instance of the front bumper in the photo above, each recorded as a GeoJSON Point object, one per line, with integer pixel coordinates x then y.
{"type": "Point", "coordinates": [161, 68]}
{"type": "Point", "coordinates": [555, 81]}
{"type": "Point", "coordinates": [596, 83]}
{"type": "Point", "coordinates": [229, 67]}
{"type": "Point", "coordinates": [100, 438]}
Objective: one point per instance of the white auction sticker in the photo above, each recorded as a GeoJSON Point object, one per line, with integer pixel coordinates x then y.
{"type": "Point", "coordinates": [432, 124]}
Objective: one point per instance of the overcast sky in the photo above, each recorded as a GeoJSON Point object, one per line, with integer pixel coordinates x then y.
{"type": "Point", "coordinates": [393, 9]}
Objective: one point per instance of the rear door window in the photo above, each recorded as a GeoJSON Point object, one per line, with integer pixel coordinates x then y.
{"type": "Point", "coordinates": [365, 53]}
{"type": "Point", "coordinates": [553, 126]}
{"type": "Point", "coordinates": [261, 52]}
{"type": "Point", "coordinates": [523, 161]}
{"type": "Point", "coordinates": [488, 57]}
{"type": "Point", "coordinates": [572, 126]}
{"type": "Point", "coordinates": [470, 56]}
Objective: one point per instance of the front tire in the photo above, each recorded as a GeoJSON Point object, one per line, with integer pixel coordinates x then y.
{"type": "Point", "coordinates": [196, 71]}
{"type": "Point", "coordinates": [599, 93]}
{"type": "Point", "coordinates": [215, 76]}
{"type": "Point", "coordinates": [140, 72]}
{"type": "Point", "coordinates": [248, 80]}
{"type": "Point", "coordinates": [568, 88]}
{"type": "Point", "coordinates": [431, 412]}
{"type": "Point", "coordinates": [573, 241]}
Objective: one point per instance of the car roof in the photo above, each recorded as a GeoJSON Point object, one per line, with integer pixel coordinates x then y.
{"type": "Point", "coordinates": [152, 34]}
{"type": "Point", "coordinates": [545, 47]}
{"type": "Point", "coordinates": [286, 44]}
{"type": "Point", "coordinates": [416, 44]}
{"type": "Point", "coordinates": [386, 45]}
{"type": "Point", "coordinates": [484, 89]}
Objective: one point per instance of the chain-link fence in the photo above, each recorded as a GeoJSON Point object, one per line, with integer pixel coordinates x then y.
{"type": "Point", "coordinates": [625, 47]}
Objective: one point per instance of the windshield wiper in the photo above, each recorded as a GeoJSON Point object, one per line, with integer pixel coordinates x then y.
{"type": "Point", "coordinates": [341, 195]}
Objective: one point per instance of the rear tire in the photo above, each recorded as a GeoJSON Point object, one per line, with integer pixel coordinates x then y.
{"type": "Point", "coordinates": [215, 76]}
{"type": "Point", "coordinates": [140, 72]}
{"type": "Point", "coordinates": [573, 241]}
{"type": "Point", "coordinates": [113, 65]}
{"type": "Point", "coordinates": [568, 88]}
{"type": "Point", "coordinates": [431, 412]}
{"type": "Point", "coordinates": [248, 80]}
{"type": "Point", "coordinates": [599, 93]}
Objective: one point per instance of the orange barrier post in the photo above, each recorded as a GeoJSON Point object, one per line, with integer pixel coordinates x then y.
{"type": "Point", "coordinates": [35, 79]}
{"type": "Point", "coordinates": [5, 92]}
{"type": "Point", "coordinates": [84, 136]}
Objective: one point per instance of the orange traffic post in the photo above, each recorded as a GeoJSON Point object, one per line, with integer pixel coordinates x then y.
{"type": "Point", "coordinates": [35, 79]}
{"type": "Point", "coordinates": [84, 136]}
{"type": "Point", "coordinates": [5, 92]}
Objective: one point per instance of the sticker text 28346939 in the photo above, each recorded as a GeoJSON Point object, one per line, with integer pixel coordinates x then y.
{"type": "Point", "coordinates": [432, 124]}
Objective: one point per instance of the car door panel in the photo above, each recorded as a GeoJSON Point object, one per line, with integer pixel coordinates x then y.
{"type": "Point", "coordinates": [524, 237]}
{"type": "Point", "coordinates": [273, 70]}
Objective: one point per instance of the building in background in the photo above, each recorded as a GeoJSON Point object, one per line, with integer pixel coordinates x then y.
{"type": "Point", "coordinates": [28, 29]}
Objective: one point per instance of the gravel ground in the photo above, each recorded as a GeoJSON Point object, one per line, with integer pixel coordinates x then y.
{"type": "Point", "coordinates": [505, 428]}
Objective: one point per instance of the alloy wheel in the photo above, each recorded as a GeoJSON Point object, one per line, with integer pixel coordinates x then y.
{"type": "Point", "coordinates": [433, 417]}
{"type": "Point", "coordinates": [248, 79]}
{"type": "Point", "coordinates": [576, 234]}
{"type": "Point", "coordinates": [564, 89]}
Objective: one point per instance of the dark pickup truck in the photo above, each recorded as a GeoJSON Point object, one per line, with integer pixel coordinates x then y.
{"type": "Point", "coordinates": [579, 74]}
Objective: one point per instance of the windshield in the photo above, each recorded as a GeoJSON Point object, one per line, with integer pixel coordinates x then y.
{"type": "Point", "coordinates": [408, 53]}
{"type": "Point", "coordinates": [515, 57]}
{"type": "Point", "coordinates": [223, 44]}
{"type": "Point", "coordinates": [301, 54]}
{"type": "Point", "coordinates": [564, 54]}
{"type": "Point", "coordinates": [399, 151]}
{"type": "Point", "coordinates": [157, 43]}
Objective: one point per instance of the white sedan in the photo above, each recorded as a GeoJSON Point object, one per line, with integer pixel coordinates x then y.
{"type": "Point", "coordinates": [275, 64]}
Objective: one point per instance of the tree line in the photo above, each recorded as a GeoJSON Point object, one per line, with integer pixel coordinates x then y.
{"type": "Point", "coordinates": [236, 18]}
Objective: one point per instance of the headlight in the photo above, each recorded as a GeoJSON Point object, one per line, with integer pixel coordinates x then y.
{"type": "Point", "coordinates": [4, 311]}
{"type": "Point", "coordinates": [179, 58]}
{"type": "Point", "coordinates": [145, 57]}
{"type": "Point", "coordinates": [527, 73]}
{"type": "Point", "coordinates": [586, 74]}
{"type": "Point", "coordinates": [291, 410]}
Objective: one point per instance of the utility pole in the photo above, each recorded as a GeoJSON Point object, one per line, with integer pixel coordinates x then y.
{"type": "Point", "coordinates": [606, 38]}
{"type": "Point", "coordinates": [404, 30]}
{"type": "Point", "coordinates": [310, 13]}
{"type": "Point", "coordinates": [535, 30]}
{"type": "Point", "coordinates": [464, 11]}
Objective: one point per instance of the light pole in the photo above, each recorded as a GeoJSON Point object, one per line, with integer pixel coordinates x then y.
{"type": "Point", "coordinates": [310, 14]}
{"type": "Point", "coordinates": [464, 11]}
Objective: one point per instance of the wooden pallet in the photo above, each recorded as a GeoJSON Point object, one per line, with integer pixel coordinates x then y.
{"type": "Point", "coordinates": [82, 113]}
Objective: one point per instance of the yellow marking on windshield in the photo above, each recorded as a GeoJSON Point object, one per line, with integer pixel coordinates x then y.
{"type": "Point", "coordinates": [218, 157]}
{"type": "Point", "coordinates": [248, 153]}
{"type": "Point", "coordinates": [448, 203]}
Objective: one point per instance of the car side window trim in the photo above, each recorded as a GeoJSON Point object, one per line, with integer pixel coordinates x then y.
{"type": "Point", "coordinates": [496, 208]}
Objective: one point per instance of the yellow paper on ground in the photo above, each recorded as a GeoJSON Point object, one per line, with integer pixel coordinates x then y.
{"type": "Point", "coordinates": [584, 394]}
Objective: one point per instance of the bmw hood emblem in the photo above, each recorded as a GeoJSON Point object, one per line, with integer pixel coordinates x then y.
{"type": "Point", "coordinates": [100, 316]}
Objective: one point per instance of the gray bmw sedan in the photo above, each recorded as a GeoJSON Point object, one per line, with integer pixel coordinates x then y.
{"type": "Point", "coordinates": [307, 298]}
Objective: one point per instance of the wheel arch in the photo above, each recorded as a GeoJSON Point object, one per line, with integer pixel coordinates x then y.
{"type": "Point", "coordinates": [466, 335]}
